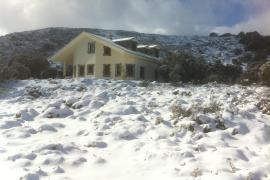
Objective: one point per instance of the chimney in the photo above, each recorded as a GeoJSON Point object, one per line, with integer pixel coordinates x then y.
{"type": "Point", "coordinates": [110, 36]}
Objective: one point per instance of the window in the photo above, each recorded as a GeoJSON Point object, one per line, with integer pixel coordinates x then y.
{"type": "Point", "coordinates": [142, 72]}
{"type": "Point", "coordinates": [106, 70]}
{"type": "Point", "coordinates": [74, 70]}
{"type": "Point", "coordinates": [81, 70]}
{"type": "Point", "coordinates": [156, 74]}
{"type": "Point", "coordinates": [118, 70]}
{"type": "Point", "coordinates": [90, 69]}
{"type": "Point", "coordinates": [130, 70]}
{"type": "Point", "coordinates": [107, 51]}
{"type": "Point", "coordinates": [91, 47]}
{"type": "Point", "coordinates": [134, 46]}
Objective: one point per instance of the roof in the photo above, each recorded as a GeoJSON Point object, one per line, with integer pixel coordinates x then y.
{"type": "Point", "coordinates": [106, 42]}
{"type": "Point", "coordinates": [124, 39]}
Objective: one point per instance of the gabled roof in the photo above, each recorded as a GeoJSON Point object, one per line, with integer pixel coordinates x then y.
{"type": "Point", "coordinates": [60, 55]}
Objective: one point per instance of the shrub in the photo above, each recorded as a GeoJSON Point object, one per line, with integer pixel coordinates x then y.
{"type": "Point", "coordinates": [49, 73]}
{"type": "Point", "coordinates": [220, 124]}
{"type": "Point", "coordinates": [16, 71]}
{"type": "Point", "coordinates": [264, 104]}
{"type": "Point", "coordinates": [144, 84]}
{"type": "Point", "coordinates": [187, 68]}
{"type": "Point", "coordinates": [253, 74]}
{"type": "Point", "coordinates": [213, 107]}
{"type": "Point", "coordinates": [223, 73]}
{"type": "Point", "coordinates": [163, 72]}
{"type": "Point", "coordinates": [253, 41]}
{"type": "Point", "coordinates": [264, 73]}
{"type": "Point", "coordinates": [35, 62]}
{"type": "Point", "coordinates": [178, 111]}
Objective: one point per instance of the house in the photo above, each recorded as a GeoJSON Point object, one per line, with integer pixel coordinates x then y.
{"type": "Point", "coordinates": [93, 56]}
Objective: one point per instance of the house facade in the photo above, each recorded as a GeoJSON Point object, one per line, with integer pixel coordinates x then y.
{"type": "Point", "coordinates": [93, 56]}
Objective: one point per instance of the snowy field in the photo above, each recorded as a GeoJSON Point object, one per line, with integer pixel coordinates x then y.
{"type": "Point", "coordinates": [119, 130]}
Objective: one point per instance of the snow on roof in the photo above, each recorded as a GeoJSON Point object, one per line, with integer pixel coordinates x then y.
{"type": "Point", "coordinates": [142, 46]}
{"type": "Point", "coordinates": [124, 39]}
{"type": "Point", "coordinates": [153, 46]}
{"type": "Point", "coordinates": [148, 46]}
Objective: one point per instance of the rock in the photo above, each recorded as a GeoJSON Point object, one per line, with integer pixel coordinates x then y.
{"type": "Point", "coordinates": [234, 131]}
{"type": "Point", "coordinates": [176, 92]}
{"type": "Point", "coordinates": [158, 121]}
{"type": "Point", "coordinates": [213, 34]}
{"type": "Point", "coordinates": [226, 35]}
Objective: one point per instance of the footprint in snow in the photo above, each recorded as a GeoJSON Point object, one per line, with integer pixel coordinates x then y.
{"type": "Point", "coordinates": [96, 144]}
{"type": "Point", "coordinates": [58, 170]}
{"type": "Point", "coordinates": [47, 127]}
{"type": "Point", "coordinates": [10, 124]}
{"type": "Point", "coordinates": [30, 156]}
{"type": "Point", "coordinates": [99, 160]}
{"type": "Point", "coordinates": [2, 150]}
{"type": "Point", "coordinates": [53, 161]}
{"type": "Point", "coordinates": [79, 161]}
{"type": "Point", "coordinates": [30, 176]}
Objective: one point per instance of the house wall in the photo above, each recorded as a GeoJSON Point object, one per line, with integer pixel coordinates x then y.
{"type": "Point", "coordinates": [81, 57]}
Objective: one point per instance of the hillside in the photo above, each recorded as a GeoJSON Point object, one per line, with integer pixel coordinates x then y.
{"type": "Point", "coordinates": [46, 42]}
{"type": "Point", "coordinates": [97, 129]}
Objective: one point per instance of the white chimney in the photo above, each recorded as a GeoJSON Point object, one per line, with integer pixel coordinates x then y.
{"type": "Point", "coordinates": [110, 36]}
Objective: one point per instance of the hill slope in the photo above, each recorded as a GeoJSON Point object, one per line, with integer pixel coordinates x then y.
{"type": "Point", "coordinates": [46, 42]}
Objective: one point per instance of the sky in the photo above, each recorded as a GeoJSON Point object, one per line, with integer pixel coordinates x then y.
{"type": "Point", "coordinates": [177, 17]}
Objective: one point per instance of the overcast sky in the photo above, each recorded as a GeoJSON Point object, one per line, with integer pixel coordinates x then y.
{"type": "Point", "coordinates": [180, 17]}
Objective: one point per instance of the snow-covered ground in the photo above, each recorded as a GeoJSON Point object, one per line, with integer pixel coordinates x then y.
{"type": "Point", "coordinates": [119, 130]}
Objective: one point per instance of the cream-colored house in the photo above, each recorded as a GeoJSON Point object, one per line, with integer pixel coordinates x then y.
{"type": "Point", "coordinates": [94, 56]}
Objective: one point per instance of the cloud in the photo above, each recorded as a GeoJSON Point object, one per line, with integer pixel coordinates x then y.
{"type": "Point", "coordinates": [258, 21]}
{"type": "Point", "coordinates": [2, 32]}
{"type": "Point", "coordinates": [186, 17]}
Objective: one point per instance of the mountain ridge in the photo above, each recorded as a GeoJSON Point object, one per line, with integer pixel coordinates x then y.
{"type": "Point", "coordinates": [47, 41]}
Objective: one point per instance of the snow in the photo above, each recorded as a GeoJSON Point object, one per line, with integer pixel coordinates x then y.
{"type": "Point", "coordinates": [124, 39]}
{"type": "Point", "coordinates": [104, 129]}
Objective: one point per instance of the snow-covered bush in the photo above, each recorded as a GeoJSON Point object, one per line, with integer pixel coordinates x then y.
{"type": "Point", "coordinates": [264, 104]}
{"type": "Point", "coordinates": [33, 91]}
{"type": "Point", "coordinates": [179, 111]}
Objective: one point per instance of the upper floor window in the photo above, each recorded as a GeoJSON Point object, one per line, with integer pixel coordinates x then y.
{"type": "Point", "coordinates": [90, 69]}
{"type": "Point", "coordinates": [91, 48]}
{"type": "Point", "coordinates": [107, 51]}
{"type": "Point", "coordinates": [130, 70]}
{"type": "Point", "coordinates": [118, 69]}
